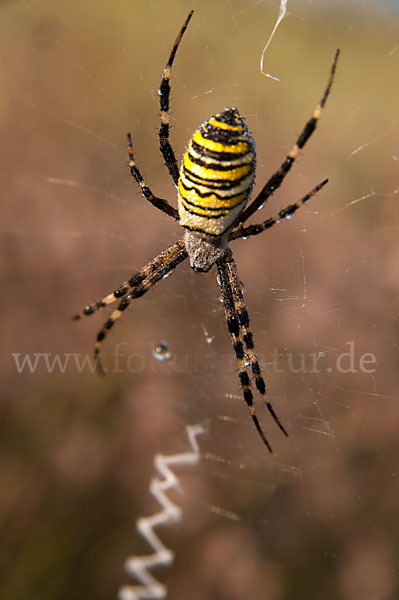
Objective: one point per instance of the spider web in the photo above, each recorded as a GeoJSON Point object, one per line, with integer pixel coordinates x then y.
{"type": "Point", "coordinates": [318, 518]}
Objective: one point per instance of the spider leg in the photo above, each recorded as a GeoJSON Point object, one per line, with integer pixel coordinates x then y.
{"type": "Point", "coordinates": [233, 326]}
{"type": "Point", "coordinates": [159, 203]}
{"type": "Point", "coordinates": [164, 93]}
{"type": "Point", "coordinates": [130, 283]}
{"type": "Point", "coordinates": [285, 213]}
{"type": "Point", "coordinates": [247, 336]}
{"type": "Point", "coordinates": [277, 178]}
{"type": "Point", "coordinates": [139, 290]}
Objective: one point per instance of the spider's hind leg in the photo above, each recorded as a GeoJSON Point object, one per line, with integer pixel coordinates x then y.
{"type": "Point", "coordinates": [136, 292]}
{"type": "Point", "coordinates": [135, 280]}
{"type": "Point", "coordinates": [233, 325]}
{"type": "Point", "coordinates": [247, 336]}
{"type": "Point", "coordinates": [163, 264]}
{"type": "Point", "coordinates": [89, 309]}
{"type": "Point", "coordinates": [166, 262]}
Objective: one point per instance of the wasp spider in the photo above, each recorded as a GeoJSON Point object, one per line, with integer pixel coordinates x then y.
{"type": "Point", "coordinates": [213, 186]}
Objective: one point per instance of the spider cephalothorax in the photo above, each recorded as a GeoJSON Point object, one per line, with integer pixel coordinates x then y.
{"type": "Point", "coordinates": [214, 184]}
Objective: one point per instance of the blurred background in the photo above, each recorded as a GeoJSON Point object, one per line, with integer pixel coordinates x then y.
{"type": "Point", "coordinates": [319, 517]}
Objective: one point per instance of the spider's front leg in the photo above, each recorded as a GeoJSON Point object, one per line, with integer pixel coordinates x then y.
{"type": "Point", "coordinates": [164, 143]}
{"type": "Point", "coordinates": [164, 94]}
{"type": "Point", "coordinates": [277, 178]}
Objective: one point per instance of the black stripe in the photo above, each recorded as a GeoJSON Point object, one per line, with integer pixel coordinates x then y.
{"type": "Point", "coordinates": [192, 212]}
{"type": "Point", "coordinates": [256, 368]}
{"type": "Point", "coordinates": [243, 377]}
{"type": "Point", "coordinates": [221, 184]}
{"type": "Point", "coordinates": [225, 211]}
{"type": "Point", "coordinates": [244, 317]}
{"type": "Point", "coordinates": [249, 399]}
{"type": "Point", "coordinates": [307, 132]}
{"type": "Point", "coordinates": [248, 339]}
{"type": "Point", "coordinates": [216, 166]}
{"type": "Point", "coordinates": [218, 155]}
{"type": "Point", "coordinates": [260, 384]}
{"type": "Point", "coordinates": [233, 326]}
{"type": "Point", "coordinates": [239, 349]}
{"type": "Point", "coordinates": [109, 323]}
{"type": "Point", "coordinates": [207, 194]}
{"type": "Point", "coordinates": [164, 130]}
{"type": "Point", "coordinates": [224, 136]}
{"type": "Point", "coordinates": [164, 94]}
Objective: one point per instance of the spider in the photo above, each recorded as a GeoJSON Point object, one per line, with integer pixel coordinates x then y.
{"type": "Point", "coordinates": [214, 183]}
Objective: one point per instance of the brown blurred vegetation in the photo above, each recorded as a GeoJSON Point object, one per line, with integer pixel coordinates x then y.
{"type": "Point", "coordinates": [318, 519]}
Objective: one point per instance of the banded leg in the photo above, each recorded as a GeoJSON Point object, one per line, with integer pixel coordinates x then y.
{"type": "Point", "coordinates": [285, 213]}
{"type": "Point", "coordinates": [164, 93]}
{"type": "Point", "coordinates": [277, 178]}
{"type": "Point", "coordinates": [159, 203]}
{"type": "Point", "coordinates": [130, 283]}
{"type": "Point", "coordinates": [139, 290]}
{"type": "Point", "coordinates": [246, 334]}
{"type": "Point", "coordinates": [233, 326]}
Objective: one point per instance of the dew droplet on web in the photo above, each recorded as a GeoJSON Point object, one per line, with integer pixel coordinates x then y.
{"type": "Point", "coordinates": [208, 338]}
{"type": "Point", "coordinates": [162, 351]}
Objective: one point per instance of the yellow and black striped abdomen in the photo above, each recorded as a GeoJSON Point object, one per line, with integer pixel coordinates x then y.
{"type": "Point", "coordinates": [216, 174]}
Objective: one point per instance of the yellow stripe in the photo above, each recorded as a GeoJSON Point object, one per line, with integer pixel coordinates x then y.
{"type": "Point", "coordinates": [217, 146]}
{"type": "Point", "coordinates": [210, 201]}
{"type": "Point", "coordinates": [206, 213]}
{"type": "Point", "coordinates": [204, 173]}
{"type": "Point", "coordinates": [213, 121]}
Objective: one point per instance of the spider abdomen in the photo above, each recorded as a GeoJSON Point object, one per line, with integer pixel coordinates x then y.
{"type": "Point", "coordinates": [216, 174]}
